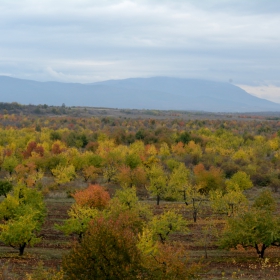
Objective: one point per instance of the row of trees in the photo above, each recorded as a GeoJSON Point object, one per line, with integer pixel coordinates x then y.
{"type": "Point", "coordinates": [203, 168]}
{"type": "Point", "coordinates": [117, 238]}
{"type": "Point", "coordinates": [230, 149]}
{"type": "Point", "coordinates": [23, 212]}
{"type": "Point", "coordinates": [120, 238]}
{"type": "Point", "coordinates": [164, 176]}
{"type": "Point", "coordinates": [137, 164]}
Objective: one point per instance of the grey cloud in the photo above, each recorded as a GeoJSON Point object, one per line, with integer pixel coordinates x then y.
{"type": "Point", "coordinates": [236, 6]}
{"type": "Point", "coordinates": [85, 41]}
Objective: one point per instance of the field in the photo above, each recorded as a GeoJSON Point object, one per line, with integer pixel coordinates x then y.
{"type": "Point", "coordinates": [213, 147]}
{"type": "Point", "coordinates": [219, 264]}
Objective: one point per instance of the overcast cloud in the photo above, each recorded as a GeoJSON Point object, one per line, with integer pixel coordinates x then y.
{"type": "Point", "coordinates": [86, 41]}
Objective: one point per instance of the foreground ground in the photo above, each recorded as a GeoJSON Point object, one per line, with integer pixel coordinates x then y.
{"type": "Point", "coordinates": [219, 264]}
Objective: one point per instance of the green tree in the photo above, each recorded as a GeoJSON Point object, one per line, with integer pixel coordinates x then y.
{"type": "Point", "coordinates": [5, 187]}
{"type": "Point", "coordinates": [181, 184]}
{"type": "Point", "coordinates": [184, 137]}
{"type": "Point", "coordinates": [22, 215]}
{"type": "Point", "coordinates": [132, 160]}
{"type": "Point", "coordinates": [78, 221]}
{"type": "Point", "coordinates": [258, 228]}
{"type": "Point", "coordinates": [20, 231]}
{"type": "Point", "coordinates": [126, 199]}
{"type": "Point", "coordinates": [239, 180]}
{"type": "Point", "coordinates": [9, 164]}
{"type": "Point", "coordinates": [194, 198]}
{"type": "Point", "coordinates": [265, 201]}
{"type": "Point", "coordinates": [162, 226]}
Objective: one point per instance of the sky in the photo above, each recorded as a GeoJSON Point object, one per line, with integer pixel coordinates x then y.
{"type": "Point", "coordinates": [84, 41]}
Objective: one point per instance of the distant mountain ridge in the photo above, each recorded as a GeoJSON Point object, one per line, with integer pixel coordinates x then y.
{"type": "Point", "coordinates": [162, 93]}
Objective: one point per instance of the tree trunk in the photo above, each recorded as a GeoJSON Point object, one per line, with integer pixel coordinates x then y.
{"type": "Point", "coordinates": [158, 199]}
{"type": "Point", "coordinates": [21, 249]}
{"type": "Point", "coordinates": [194, 211]}
{"type": "Point", "coordinates": [260, 252]}
{"type": "Point", "coordinates": [80, 237]}
{"type": "Point", "coordinates": [194, 215]}
{"type": "Point", "coordinates": [162, 240]}
{"type": "Point", "coordinates": [205, 251]}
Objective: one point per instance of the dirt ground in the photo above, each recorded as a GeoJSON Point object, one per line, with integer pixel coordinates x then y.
{"type": "Point", "coordinates": [219, 264]}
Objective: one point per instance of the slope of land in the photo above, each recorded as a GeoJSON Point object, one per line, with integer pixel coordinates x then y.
{"type": "Point", "coordinates": [159, 93]}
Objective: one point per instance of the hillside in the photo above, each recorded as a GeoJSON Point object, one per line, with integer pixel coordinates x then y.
{"type": "Point", "coordinates": [160, 93]}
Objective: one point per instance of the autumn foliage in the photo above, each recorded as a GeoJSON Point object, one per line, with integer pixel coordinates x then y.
{"type": "Point", "coordinates": [212, 168]}
{"type": "Point", "coordinates": [107, 251]}
{"type": "Point", "coordinates": [171, 262]}
{"type": "Point", "coordinates": [94, 196]}
{"type": "Point", "coordinates": [33, 147]}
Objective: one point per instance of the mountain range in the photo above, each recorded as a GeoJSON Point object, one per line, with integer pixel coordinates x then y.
{"type": "Point", "coordinates": [162, 93]}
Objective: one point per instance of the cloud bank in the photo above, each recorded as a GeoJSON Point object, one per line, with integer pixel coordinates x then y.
{"type": "Point", "coordinates": [86, 41]}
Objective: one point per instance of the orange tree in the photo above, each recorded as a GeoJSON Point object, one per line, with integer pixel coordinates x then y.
{"type": "Point", "coordinates": [89, 203]}
{"type": "Point", "coordinates": [94, 196]}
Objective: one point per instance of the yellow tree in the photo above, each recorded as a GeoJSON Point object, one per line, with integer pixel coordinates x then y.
{"type": "Point", "coordinates": [157, 182]}
{"type": "Point", "coordinates": [239, 180]}
{"type": "Point", "coordinates": [230, 203]}
{"type": "Point", "coordinates": [64, 174]}
{"type": "Point", "coordinates": [179, 181]}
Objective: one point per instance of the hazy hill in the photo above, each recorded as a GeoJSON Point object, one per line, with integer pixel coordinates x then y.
{"type": "Point", "coordinates": [137, 93]}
